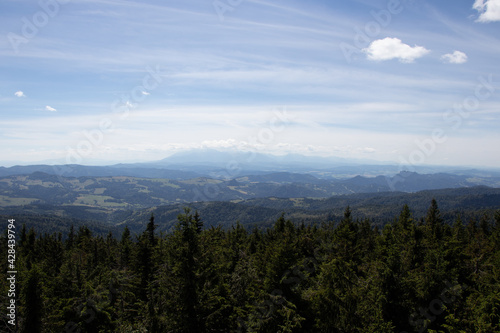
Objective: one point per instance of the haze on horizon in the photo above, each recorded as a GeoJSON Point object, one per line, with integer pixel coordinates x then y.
{"type": "Point", "coordinates": [106, 81]}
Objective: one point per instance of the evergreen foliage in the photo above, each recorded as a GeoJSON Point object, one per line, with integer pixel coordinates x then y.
{"type": "Point", "coordinates": [341, 276]}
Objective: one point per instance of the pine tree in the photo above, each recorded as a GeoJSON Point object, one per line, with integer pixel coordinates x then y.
{"type": "Point", "coordinates": [70, 242]}
{"type": "Point", "coordinates": [191, 228]}
{"type": "Point", "coordinates": [23, 236]}
{"type": "Point", "coordinates": [345, 237]}
{"type": "Point", "coordinates": [184, 260]}
{"type": "Point", "coordinates": [32, 300]}
{"type": "Point", "coordinates": [433, 221]}
{"type": "Point", "coordinates": [150, 230]}
{"type": "Point", "coordinates": [125, 247]}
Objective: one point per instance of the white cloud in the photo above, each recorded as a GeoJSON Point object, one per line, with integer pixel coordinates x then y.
{"type": "Point", "coordinates": [367, 150]}
{"type": "Point", "coordinates": [19, 94]}
{"type": "Point", "coordinates": [456, 57]}
{"type": "Point", "coordinates": [489, 10]}
{"type": "Point", "coordinates": [130, 105]}
{"type": "Point", "coordinates": [392, 48]}
{"type": "Point", "coordinates": [49, 108]}
{"type": "Point", "coordinates": [145, 93]}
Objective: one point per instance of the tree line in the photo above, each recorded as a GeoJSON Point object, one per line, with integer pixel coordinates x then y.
{"type": "Point", "coordinates": [337, 276]}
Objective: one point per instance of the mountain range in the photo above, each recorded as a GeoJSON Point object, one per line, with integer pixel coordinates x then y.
{"type": "Point", "coordinates": [124, 192]}
{"type": "Point", "coordinates": [235, 186]}
{"type": "Point", "coordinates": [232, 164]}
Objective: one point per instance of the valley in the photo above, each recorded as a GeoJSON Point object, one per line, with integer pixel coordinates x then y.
{"type": "Point", "coordinates": [250, 199]}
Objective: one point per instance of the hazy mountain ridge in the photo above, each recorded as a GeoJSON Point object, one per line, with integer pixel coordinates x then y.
{"type": "Point", "coordinates": [226, 190]}
{"type": "Point", "coordinates": [233, 164]}
{"type": "Point", "coordinates": [74, 170]}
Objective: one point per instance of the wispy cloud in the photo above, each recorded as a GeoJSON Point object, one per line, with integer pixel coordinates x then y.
{"type": "Point", "coordinates": [130, 105]}
{"type": "Point", "coordinates": [221, 80]}
{"type": "Point", "coordinates": [457, 57]}
{"type": "Point", "coordinates": [489, 10]}
{"type": "Point", "coordinates": [393, 48]}
{"type": "Point", "coordinates": [367, 150]}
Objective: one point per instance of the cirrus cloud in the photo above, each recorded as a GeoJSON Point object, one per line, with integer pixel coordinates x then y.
{"type": "Point", "coordinates": [49, 108]}
{"type": "Point", "coordinates": [489, 10]}
{"type": "Point", "coordinates": [393, 48]}
{"type": "Point", "coordinates": [457, 57]}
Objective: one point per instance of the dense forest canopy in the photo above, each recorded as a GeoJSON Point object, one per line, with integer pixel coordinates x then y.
{"type": "Point", "coordinates": [338, 276]}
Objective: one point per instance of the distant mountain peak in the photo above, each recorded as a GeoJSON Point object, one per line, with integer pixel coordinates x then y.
{"type": "Point", "coordinates": [406, 173]}
{"type": "Point", "coordinates": [252, 160]}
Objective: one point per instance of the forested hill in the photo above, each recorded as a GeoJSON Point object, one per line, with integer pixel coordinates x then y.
{"type": "Point", "coordinates": [410, 276]}
{"type": "Point", "coordinates": [127, 193]}
{"type": "Point", "coordinates": [379, 208]}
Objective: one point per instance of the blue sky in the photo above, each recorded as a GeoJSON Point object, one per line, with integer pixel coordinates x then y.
{"type": "Point", "coordinates": [104, 81]}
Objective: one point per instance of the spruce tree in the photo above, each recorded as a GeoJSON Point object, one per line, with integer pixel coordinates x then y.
{"type": "Point", "coordinates": [433, 221]}
{"type": "Point", "coordinates": [125, 247]}
{"type": "Point", "coordinates": [32, 301]}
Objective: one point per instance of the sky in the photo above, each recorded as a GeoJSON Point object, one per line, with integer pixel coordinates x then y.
{"type": "Point", "coordinates": [98, 82]}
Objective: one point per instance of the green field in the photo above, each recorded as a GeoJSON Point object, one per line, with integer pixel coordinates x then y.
{"type": "Point", "coordinates": [98, 201]}
{"type": "Point", "coordinates": [6, 201]}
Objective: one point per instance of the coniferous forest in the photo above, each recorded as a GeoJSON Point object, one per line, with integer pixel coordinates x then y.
{"type": "Point", "coordinates": [342, 276]}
